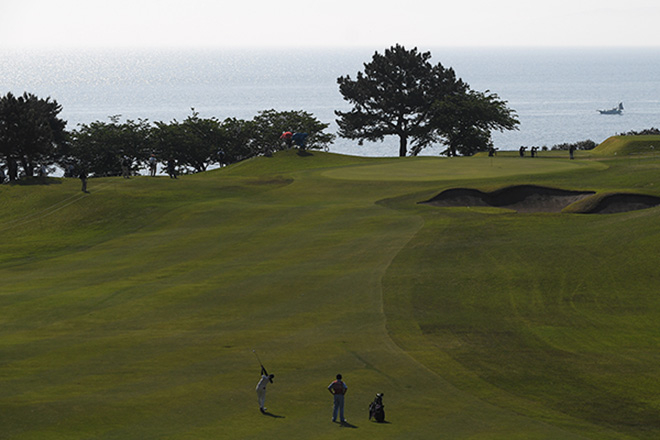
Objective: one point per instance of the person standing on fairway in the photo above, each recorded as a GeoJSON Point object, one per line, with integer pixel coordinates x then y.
{"type": "Point", "coordinates": [261, 388]}
{"type": "Point", "coordinates": [338, 390]}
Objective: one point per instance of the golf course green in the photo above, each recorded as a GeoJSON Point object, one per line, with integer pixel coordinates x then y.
{"type": "Point", "coordinates": [135, 311]}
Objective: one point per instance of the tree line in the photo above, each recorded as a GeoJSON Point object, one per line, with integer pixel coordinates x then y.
{"type": "Point", "coordinates": [648, 131]}
{"type": "Point", "coordinates": [581, 145]}
{"type": "Point", "coordinates": [33, 136]}
{"type": "Point", "coordinates": [399, 93]}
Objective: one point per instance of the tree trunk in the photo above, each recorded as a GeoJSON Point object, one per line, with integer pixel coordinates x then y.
{"type": "Point", "coordinates": [403, 145]}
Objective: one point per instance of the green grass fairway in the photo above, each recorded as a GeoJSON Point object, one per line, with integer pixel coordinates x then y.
{"type": "Point", "coordinates": [132, 312]}
{"type": "Point", "coordinates": [434, 169]}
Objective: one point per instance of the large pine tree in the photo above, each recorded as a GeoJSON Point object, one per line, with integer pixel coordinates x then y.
{"type": "Point", "coordinates": [401, 93]}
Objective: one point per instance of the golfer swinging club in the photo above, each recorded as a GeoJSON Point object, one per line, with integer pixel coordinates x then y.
{"type": "Point", "coordinates": [338, 390]}
{"type": "Point", "coordinates": [261, 388]}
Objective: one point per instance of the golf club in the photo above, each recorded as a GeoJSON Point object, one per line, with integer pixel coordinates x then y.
{"type": "Point", "coordinates": [255, 353]}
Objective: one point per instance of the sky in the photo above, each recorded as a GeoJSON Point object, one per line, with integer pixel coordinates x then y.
{"type": "Point", "coordinates": [327, 23]}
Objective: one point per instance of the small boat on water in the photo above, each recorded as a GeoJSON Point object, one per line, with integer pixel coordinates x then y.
{"type": "Point", "coordinates": [613, 111]}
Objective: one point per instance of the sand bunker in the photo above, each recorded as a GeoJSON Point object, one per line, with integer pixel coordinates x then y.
{"type": "Point", "coordinates": [614, 203]}
{"type": "Point", "coordinates": [531, 198]}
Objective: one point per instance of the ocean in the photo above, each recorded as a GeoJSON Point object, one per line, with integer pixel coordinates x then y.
{"type": "Point", "coordinates": [555, 92]}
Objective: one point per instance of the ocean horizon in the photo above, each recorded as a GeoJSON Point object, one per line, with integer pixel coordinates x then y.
{"type": "Point", "coordinates": [556, 92]}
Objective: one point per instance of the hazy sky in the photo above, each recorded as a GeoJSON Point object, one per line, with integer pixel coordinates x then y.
{"type": "Point", "coordinates": [380, 23]}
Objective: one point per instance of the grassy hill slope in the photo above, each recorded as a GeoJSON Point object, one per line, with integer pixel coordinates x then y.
{"type": "Point", "coordinates": [627, 145]}
{"type": "Point", "coordinates": [132, 311]}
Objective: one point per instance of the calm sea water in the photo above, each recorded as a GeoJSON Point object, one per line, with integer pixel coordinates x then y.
{"type": "Point", "coordinates": [555, 92]}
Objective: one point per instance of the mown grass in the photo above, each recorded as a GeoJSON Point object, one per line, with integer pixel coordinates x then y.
{"type": "Point", "coordinates": [551, 310]}
{"type": "Point", "coordinates": [132, 311]}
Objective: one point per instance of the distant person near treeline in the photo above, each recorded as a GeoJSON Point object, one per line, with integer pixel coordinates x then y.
{"type": "Point", "coordinates": [171, 169]}
{"type": "Point", "coordinates": [153, 163]}
{"type": "Point", "coordinates": [299, 139]}
{"type": "Point", "coordinates": [83, 179]}
{"type": "Point", "coordinates": [126, 167]}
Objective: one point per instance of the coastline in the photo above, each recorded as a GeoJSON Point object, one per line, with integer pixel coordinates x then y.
{"type": "Point", "coordinates": [555, 91]}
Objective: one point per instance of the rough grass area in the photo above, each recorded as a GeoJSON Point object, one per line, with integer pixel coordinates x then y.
{"type": "Point", "coordinates": [629, 145]}
{"type": "Point", "coordinates": [132, 312]}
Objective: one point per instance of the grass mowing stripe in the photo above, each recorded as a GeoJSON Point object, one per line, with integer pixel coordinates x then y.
{"type": "Point", "coordinates": [487, 318]}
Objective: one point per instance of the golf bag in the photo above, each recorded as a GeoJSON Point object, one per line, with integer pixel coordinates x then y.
{"type": "Point", "coordinates": [377, 409]}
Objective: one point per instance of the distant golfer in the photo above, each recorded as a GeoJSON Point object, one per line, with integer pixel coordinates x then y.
{"type": "Point", "coordinates": [338, 389]}
{"type": "Point", "coordinates": [83, 180]}
{"type": "Point", "coordinates": [126, 167]}
{"type": "Point", "coordinates": [153, 165]}
{"type": "Point", "coordinates": [261, 388]}
{"type": "Point", "coordinates": [287, 136]}
{"type": "Point", "coordinates": [300, 139]}
{"type": "Point", "coordinates": [171, 169]}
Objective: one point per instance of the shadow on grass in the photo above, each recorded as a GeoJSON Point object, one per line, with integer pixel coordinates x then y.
{"type": "Point", "coordinates": [347, 425]}
{"type": "Point", "coordinates": [31, 181]}
{"type": "Point", "coordinates": [275, 416]}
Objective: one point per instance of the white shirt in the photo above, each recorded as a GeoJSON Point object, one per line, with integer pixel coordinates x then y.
{"type": "Point", "coordinates": [262, 383]}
